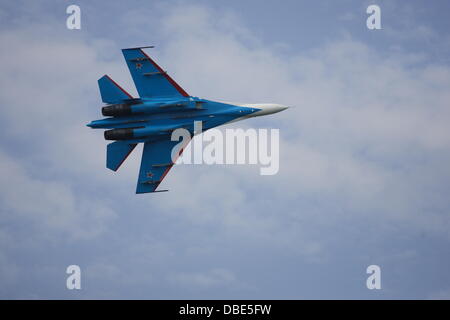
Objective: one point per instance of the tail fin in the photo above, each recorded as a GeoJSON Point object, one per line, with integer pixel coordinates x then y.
{"type": "Point", "coordinates": [117, 152]}
{"type": "Point", "coordinates": [111, 92]}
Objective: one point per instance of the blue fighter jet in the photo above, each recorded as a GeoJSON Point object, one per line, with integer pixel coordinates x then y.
{"type": "Point", "coordinates": [162, 107]}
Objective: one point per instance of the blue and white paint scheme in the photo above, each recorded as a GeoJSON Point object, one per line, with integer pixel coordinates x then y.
{"type": "Point", "coordinates": [162, 107]}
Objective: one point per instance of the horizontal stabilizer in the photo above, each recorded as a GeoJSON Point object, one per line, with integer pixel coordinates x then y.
{"type": "Point", "coordinates": [111, 92]}
{"type": "Point", "coordinates": [116, 154]}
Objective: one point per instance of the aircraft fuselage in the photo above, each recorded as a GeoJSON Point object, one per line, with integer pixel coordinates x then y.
{"type": "Point", "coordinates": [140, 119]}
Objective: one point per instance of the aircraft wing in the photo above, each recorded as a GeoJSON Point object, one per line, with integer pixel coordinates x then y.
{"type": "Point", "coordinates": [155, 164]}
{"type": "Point", "coordinates": [150, 80]}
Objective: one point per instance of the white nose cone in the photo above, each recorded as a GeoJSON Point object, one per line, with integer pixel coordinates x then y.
{"type": "Point", "coordinates": [266, 108]}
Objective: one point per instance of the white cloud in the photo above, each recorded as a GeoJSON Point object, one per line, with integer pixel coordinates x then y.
{"type": "Point", "coordinates": [49, 205]}
{"type": "Point", "coordinates": [364, 127]}
{"type": "Point", "coordinates": [366, 140]}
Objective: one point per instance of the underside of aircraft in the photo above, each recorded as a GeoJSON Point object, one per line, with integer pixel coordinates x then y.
{"type": "Point", "coordinates": [162, 107]}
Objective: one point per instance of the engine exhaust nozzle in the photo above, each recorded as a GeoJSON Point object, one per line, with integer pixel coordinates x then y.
{"type": "Point", "coordinates": [119, 134]}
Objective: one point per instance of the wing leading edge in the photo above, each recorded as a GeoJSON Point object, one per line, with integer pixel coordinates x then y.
{"type": "Point", "coordinates": [151, 80]}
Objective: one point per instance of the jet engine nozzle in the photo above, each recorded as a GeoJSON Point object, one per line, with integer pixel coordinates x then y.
{"type": "Point", "coordinates": [119, 134]}
{"type": "Point", "coordinates": [115, 110]}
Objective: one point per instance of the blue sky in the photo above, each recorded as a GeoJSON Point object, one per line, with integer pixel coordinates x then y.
{"type": "Point", "coordinates": [364, 175]}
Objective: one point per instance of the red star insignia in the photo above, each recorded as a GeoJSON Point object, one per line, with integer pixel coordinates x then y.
{"type": "Point", "coordinates": [138, 65]}
{"type": "Point", "coordinates": [149, 174]}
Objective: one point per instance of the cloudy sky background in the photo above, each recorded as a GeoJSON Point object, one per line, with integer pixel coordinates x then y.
{"type": "Point", "coordinates": [364, 157]}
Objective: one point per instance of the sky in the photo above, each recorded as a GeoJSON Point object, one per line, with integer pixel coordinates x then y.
{"type": "Point", "coordinates": [364, 152]}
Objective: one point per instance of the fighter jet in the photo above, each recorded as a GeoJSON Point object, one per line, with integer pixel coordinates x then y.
{"type": "Point", "coordinates": [162, 107]}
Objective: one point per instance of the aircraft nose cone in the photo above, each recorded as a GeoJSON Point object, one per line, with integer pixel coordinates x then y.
{"type": "Point", "coordinates": [263, 109]}
{"type": "Point", "coordinates": [282, 108]}
{"type": "Point", "coordinates": [270, 108]}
